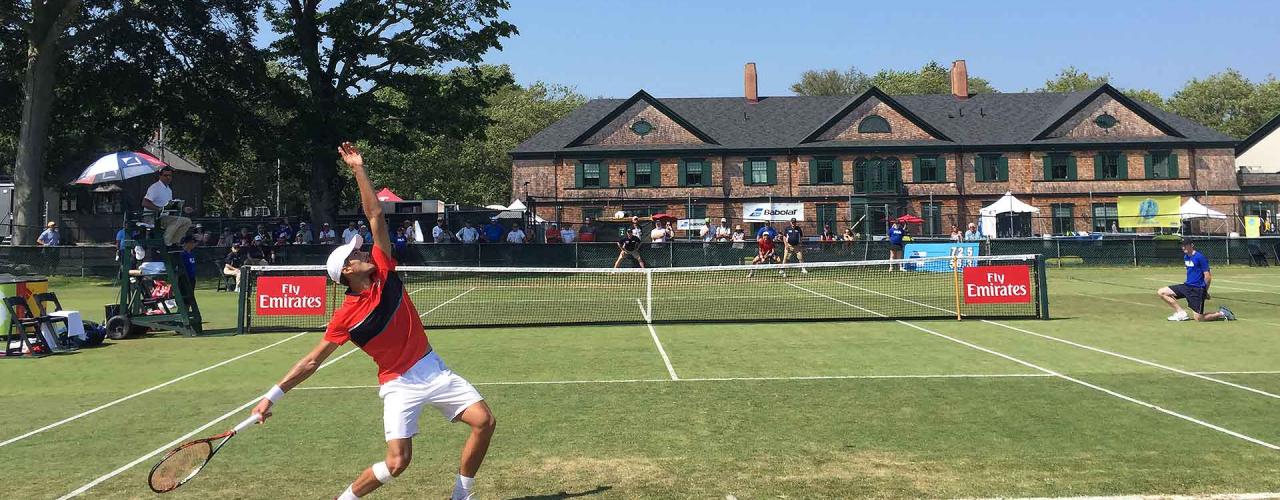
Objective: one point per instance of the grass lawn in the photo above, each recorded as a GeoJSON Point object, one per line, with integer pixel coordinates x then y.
{"type": "Point", "coordinates": [1107, 398]}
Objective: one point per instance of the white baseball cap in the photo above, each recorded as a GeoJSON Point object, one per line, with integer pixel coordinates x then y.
{"type": "Point", "coordinates": [338, 258]}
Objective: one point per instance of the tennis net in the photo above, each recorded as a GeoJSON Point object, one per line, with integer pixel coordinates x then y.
{"type": "Point", "coordinates": [281, 298]}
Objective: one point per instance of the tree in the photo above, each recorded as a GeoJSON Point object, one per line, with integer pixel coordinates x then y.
{"type": "Point", "coordinates": [343, 55]}
{"type": "Point", "coordinates": [1071, 79]}
{"type": "Point", "coordinates": [1228, 102]}
{"type": "Point", "coordinates": [932, 78]}
{"type": "Point", "coordinates": [832, 82]}
{"type": "Point", "coordinates": [108, 62]}
{"type": "Point", "coordinates": [1147, 95]}
{"type": "Point", "coordinates": [475, 169]}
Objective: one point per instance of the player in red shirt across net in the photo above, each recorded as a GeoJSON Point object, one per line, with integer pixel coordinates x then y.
{"type": "Point", "coordinates": [379, 317]}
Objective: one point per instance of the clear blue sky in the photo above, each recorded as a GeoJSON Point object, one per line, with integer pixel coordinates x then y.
{"type": "Point", "coordinates": [676, 48]}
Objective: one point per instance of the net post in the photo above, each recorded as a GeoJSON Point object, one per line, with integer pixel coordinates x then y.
{"type": "Point", "coordinates": [1057, 247]}
{"type": "Point", "coordinates": [1134, 244]}
{"type": "Point", "coordinates": [1042, 287]}
{"type": "Point", "coordinates": [648, 295]}
{"type": "Point", "coordinates": [1227, 243]}
{"type": "Point", "coordinates": [955, 274]}
{"type": "Point", "coordinates": [241, 296]}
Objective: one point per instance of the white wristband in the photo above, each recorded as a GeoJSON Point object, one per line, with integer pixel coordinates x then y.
{"type": "Point", "coordinates": [274, 394]}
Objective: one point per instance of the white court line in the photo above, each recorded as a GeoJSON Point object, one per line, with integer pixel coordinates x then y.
{"type": "Point", "coordinates": [139, 393]}
{"type": "Point", "coordinates": [1158, 306]}
{"type": "Point", "coordinates": [181, 439]}
{"type": "Point", "coordinates": [721, 379]}
{"type": "Point", "coordinates": [895, 297]}
{"type": "Point", "coordinates": [837, 300]}
{"type": "Point", "coordinates": [1246, 283]}
{"type": "Point", "coordinates": [1211, 496]}
{"type": "Point", "coordinates": [442, 304]}
{"type": "Point", "coordinates": [1091, 348]}
{"type": "Point", "coordinates": [1087, 384]}
{"type": "Point", "coordinates": [654, 333]}
{"type": "Point", "coordinates": [1221, 287]}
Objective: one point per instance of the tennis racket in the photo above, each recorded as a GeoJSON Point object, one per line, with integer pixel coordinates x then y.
{"type": "Point", "coordinates": [183, 463]}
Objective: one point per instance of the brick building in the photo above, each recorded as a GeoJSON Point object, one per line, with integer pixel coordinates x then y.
{"type": "Point", "coordinates": [855, 160]}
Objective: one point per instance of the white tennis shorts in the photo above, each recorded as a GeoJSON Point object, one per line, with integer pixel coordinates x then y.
{"type": "Point", "coordinates": [428, 382]}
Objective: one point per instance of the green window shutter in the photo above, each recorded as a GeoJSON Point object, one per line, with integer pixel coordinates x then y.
{"type": "Point", "coordinates": [942, 167]}
{"type": "Point", "coordinates": [631, 173]}
{"type": "Point", "coordinates": [915, 169]}
{"type": "Point", "coordinates": [773, 172]}
{"type": "Point", "coordinates": [1099, 166]}
{"type": "Point", "coordinates": [604, 174]}
{"type": "Point", "coordinates": [577, 176]}
{"type": "Point", "coordinates": [1048, 167]}
{"type": "Point", "coordinates": [1122, 163]}
{"type": "Point", "coordinates": [655, 173]}
{"type": "Point", "coordinates": [1146, 166]}
{"type": "Point", "coordinates": [1173, 165]}
{"type": "Point", "coordinates": [1071, 167]}
{"type": "Point", "coordinates": [746, 172]}
{"type": "Point", "coordinates": [837, 171]}
{"type": "Point", "coordinates": [813, 171]}
{"type": "Point", "coordinates": [979, 162]}
{"type": "Point", "coordinates": [1002, 168]}
{"type": "Point", "coordinates": [681, 171]}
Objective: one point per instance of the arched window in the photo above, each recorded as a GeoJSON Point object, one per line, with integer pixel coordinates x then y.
{"type": "Point", "coordinates": [874, 124]}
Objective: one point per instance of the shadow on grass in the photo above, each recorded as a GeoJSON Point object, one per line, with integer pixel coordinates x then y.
{"type": "Point", "coordinates": [564, 494]}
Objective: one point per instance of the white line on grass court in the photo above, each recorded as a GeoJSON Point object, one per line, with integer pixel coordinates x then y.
{"type": "Point", "coordinates": [654, 333]}
{"type": "Point", "coordinates": [1088, 347]}
{"type": "Point", "coordinates": [1159, 306]}
{"type": "Point", "coordinates": [1250, 283]}
{"type": "Point", "coordinates": [181, 439]}
{"type": "Point", "coordinates": [720, 379]}
{"type": "Point", "coordinates": [442, 304]}
{"type": "Point", "coordinates": [139, 393]}
{"type": "Point", "coordinates": [1083, 383]}
{"type": "Point", "coordinates": [1211, 496]}
{"type": "Point", "coordinates": [1221, 287]}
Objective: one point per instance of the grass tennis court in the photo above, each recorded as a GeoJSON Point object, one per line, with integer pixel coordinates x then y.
{"type": "Point", "coordinates": [1108, 398]}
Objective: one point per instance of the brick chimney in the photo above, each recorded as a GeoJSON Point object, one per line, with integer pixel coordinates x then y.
{"type": "Point", "coordinates": [959, 80]}
{"type": "Point", "coordinates": [750, 90]}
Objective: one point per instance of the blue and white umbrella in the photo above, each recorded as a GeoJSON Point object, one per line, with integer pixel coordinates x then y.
{"type": "Point", "coordinates": [117, 167]}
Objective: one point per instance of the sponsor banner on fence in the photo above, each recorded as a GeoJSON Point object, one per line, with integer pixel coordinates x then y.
{"type": "Point", "coordinates": [690, 224]}
{"type": "Point", "coordinates": [291, 295]}
{"type": "Point", "coordinates": [920, 250]}
{"type": "Point", "coordinates": [1252, 226]}
{"type": "Point", "coordinates": [997, 285]}
{"type": "Point", "coordinates": [772, 211]}
{"type": "Point", "coordinates": [1150, 211]}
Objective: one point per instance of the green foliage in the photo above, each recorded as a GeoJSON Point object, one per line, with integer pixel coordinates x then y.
{"type": "Point", "coordinates": [1228, 102]}
{"type": "Point", "coordinates": [932, 78]}
{"type": "Point", "coordinates": [1146, 95]}
{"type": "Point", "coordinates": [1071, 79]}
{"type": "Point", "coordinates": [475, 169]}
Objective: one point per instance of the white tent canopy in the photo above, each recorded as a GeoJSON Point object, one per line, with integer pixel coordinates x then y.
{"type": "Point", "coordinates": [514, 211]}
{"type": "Point", "coordinates": [1006, 204]}
{"type": "Point", "coordinates": [1192, 209]}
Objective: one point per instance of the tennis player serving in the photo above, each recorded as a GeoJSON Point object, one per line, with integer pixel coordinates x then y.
{"type": "Point", "coordinates": [379, 317]}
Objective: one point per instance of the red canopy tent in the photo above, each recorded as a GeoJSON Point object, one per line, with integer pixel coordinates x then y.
{"type": "Point", "coordinates": [909, 219]}
{"type": "Point", "coordinates": [387, 195]}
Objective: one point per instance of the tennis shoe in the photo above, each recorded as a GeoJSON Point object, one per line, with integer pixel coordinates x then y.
{"type": "Point", "coordinates": [804, 271]}
{"type": "Point", "coordinates": [1226, 313]}
{"type": "Point", "coordinates": [1179, 316]}
{"type": "Point", "coordinates": [783, 273]}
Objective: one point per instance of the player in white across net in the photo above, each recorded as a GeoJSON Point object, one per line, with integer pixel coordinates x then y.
{"type": "Point", "coordinates": [379, 317]}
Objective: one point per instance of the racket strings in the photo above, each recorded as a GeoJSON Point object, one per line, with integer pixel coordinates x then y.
{"type": "Point", "coordinates": [178, 467]}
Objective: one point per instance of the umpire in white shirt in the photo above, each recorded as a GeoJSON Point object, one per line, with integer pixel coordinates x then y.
{"type": "Point", "coordinates": [159, 195]}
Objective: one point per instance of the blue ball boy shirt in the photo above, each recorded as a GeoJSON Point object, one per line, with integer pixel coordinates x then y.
{"type": "Point", "coordinates": [895, 235]}
{"type": "Point", "coordinates": [767, 231]}
{"type": "Point", "coordinates": [1197, 264]}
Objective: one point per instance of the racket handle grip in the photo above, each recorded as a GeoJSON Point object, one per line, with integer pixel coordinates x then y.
{"type": "Point", "coordinates": [253, 419]}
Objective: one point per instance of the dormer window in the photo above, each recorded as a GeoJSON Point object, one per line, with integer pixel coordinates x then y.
{"type": "Point", "coordinates": [874, 124]}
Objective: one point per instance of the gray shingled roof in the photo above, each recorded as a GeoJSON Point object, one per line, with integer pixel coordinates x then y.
{"type": "Point", "coordinates": [783, 122]}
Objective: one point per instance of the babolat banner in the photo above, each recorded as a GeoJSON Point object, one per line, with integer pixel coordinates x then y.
{"type": "Point", "coordinates": [772, 211]}
{"type": "Point", "coordinates": [1150, 211]}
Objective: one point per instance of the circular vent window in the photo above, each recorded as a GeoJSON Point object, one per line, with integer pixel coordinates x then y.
{"type": "Point", "coordinates": [642, 127]}
{"type": "Point", "coordinates": [1106, 120]}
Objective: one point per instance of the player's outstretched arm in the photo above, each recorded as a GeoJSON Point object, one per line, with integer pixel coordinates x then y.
{"type": "Point", "coordinates": [303, 369]}
{"type": "Point", "coordinates": [368, 199]}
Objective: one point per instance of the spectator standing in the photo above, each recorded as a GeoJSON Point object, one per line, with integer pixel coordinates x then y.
{"type": "Point", "coordinates": [956, 235]}
{"type": "Point", "coordinates": [723, 232]}
{"type": "Point", "coordinates": [284, 229]}
{"type": "Point", "coordinates": [828, 235]}
{"type": "Point", "coordinates": [553, 234]}
{"type": "Point", "coordinates": [439, 234]}
{"type": "Point", "coordinates": [160, 195]}
{"type": "Point", "coordinates": [738, 237]}
{"type": "Point", "coordinates": [226, 239]}
{"type": "Point", "coordinates": [972, 233]}
{"type": "Point", "coordinates": [587, 233]}
{"type": "Point", "coordinates": [493, 231]}
{"type": "Point", "coordinates": [567, 234]}
{"type": "Point", "coordinates": [50, 236]}
{"type": "Point", "coordinates": [516, 235]}
{"type": "Point", "coordinates": [327, 236]}
{"type": "Point", "coordinates": [350, 233]}
{"type": "Point", "coordinates": [849, 235]}
{"type": "Point", "coordinates": [468, 234]}
{"type": "Point", "coordinates": [660, 233]}
{"type": "Point", "coordinates": [187, 280]}
{"type": "Point", "coordinates": [635, 227]}
{"type": "Point", "coordinates": [232, 263]}
{"type": "Point", "coordinates": [364, 232]}
{"type": "Point", "coordinates": [409, 233]}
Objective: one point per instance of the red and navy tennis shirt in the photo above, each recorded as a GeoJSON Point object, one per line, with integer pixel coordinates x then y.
{"type": "Point", "coordinates": [382, 321]}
